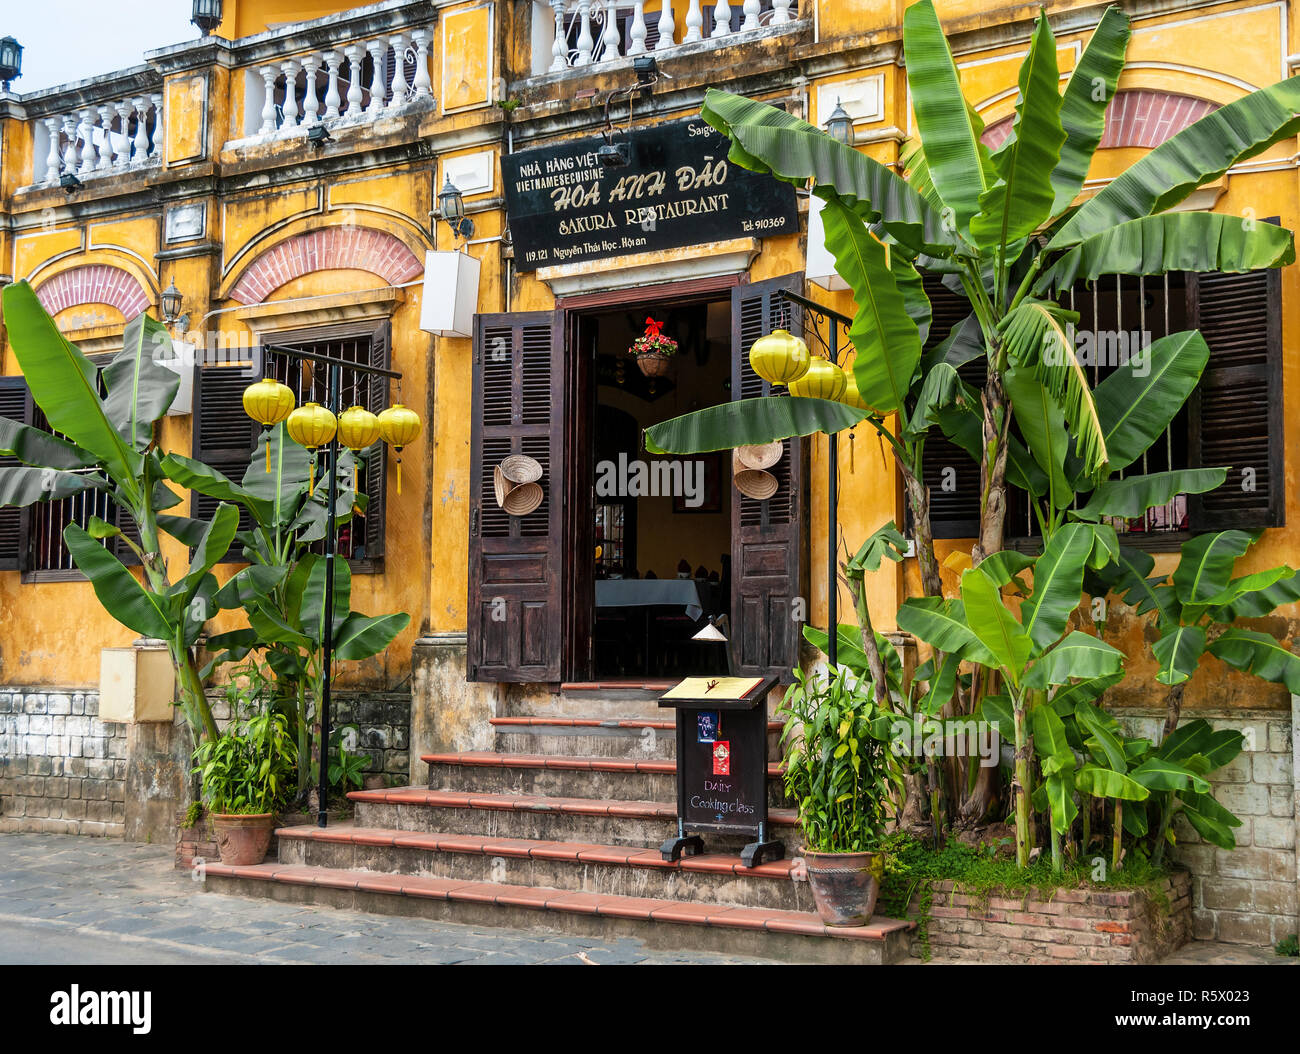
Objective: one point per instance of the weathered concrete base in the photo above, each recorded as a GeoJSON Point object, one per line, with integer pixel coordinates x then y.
{"type": "Point", "coordinates": [158, 784]}
{"type": "Point", "coordinates": [448, 712]}
{"type": "Point", "coordinates": [1070, 926]}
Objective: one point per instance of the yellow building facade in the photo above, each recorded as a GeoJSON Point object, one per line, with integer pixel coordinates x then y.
{"type": "Point", "coordinates": [196, 168]}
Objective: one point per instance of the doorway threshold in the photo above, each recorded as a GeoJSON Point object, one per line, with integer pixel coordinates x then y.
{"type": "Point", "coordinates": [618, 684]}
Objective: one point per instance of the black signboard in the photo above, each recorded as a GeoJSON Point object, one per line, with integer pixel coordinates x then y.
{"type": "Point", "coordinates": [678, 189]}
{"type": "Point", "coordinates": [722, 772]}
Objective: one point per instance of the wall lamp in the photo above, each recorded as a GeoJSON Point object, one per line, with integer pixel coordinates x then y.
{"type": "Point", "coordinates": [839, 125]}
{"type": "Point", "coordinates": [70, 183]}
{"type": "Point", "coordinates": [318, 135]}
{"type": "Point", "coordinates": [451, 206]}
{"type": "Point", "coordinates": [170, 301]}
{"type": "Point", "coordinates": [11, 61]}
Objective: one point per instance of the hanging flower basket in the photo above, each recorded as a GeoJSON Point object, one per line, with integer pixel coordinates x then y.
{"type": "Point", "coordinates": [653, 351]}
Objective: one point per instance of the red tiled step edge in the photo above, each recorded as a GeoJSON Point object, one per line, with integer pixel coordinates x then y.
{"type": "Point", "coordinates": [527, 848]}
{"type": "Point", "coordinates": [492, 759]}
{"type": "Point", "coordinates": [638, 684]}
{"type": "Point", "coordinates": [648, 908]}
{"type": "Point", "coordinates": [596, 722]}
{"type": "Point", "coordinates": [651, 810]}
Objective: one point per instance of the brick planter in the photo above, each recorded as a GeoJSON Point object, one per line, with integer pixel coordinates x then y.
{"type": "Point", "coordinates": [1071, 925]}
{"type": "Point", "coordinates": [199, 841]}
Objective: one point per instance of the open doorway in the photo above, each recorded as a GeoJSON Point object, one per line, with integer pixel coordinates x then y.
{"type": "Point", "coordinates": [660, 526]}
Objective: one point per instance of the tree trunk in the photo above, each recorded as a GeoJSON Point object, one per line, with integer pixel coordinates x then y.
{"type": "Point", "coordinates": [1173, 708]}
{"type": "Point", "coordinates": [918, 500]}
{"type": "Point", "coordinates": [1020, 786]}
{"type": "Point", "coordinates": [993, 470]}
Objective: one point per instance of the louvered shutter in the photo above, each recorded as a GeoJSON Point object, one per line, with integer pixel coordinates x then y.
{"type": "Point", "coordinates": [949, 472]}
{"type": "Point", "coordinates": [1235, 415]}
{"type": "Point", "coordinates": [381, 343]}
{"type": "Point", "coordinates": [768, 538]}
{"type": "Point", "coordinates": [13, 405]}
{"type": "Point", "coordinates": [224, 436]}
{"type": "Point", "coordinates": [515, 617]}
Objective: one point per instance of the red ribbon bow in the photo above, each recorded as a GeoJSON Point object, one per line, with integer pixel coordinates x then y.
{"type": "Point", "coordinates": [653, 327]}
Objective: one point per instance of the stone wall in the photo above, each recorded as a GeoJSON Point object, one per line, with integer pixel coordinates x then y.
{"type": "Point", "coordinates": [1247, 895]}
{"type": "Point", "coordinates": [1069, 926]}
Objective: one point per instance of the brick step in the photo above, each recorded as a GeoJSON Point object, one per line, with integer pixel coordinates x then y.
{"type": "Point", "coordinates": [564, 776]}
{"type": "Point", "coordinates": [604, 869]}
{"type": "Point", "coordinates": [786, 936]}
{"type": "Point", "coordinates": [645, 824]}
{"type": "Point", "coordinates": [599, 737]}
{"type": "Point", "coordinates": [610, 700]}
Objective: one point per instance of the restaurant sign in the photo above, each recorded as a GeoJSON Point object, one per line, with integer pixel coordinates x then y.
{"type": "Point", "coordinates": [678, 189]}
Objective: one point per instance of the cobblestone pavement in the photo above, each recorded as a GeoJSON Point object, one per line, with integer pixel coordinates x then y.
{"type": "Point", "coordinates": [66, 899]}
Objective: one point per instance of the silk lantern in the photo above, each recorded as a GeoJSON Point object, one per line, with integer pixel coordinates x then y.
{"type": "Point", "coordinates": [398, 426]}
{"type": "Point", "coordinates": [311, 426]}
{"type": "Point", "coordinates": [268, 402]}
{"type": "Point", "coordinates": [780, 357]}
{"type": "Point", "coordinates": [358, 428]}
{"type": "Point", "coordinates": [824, 380]}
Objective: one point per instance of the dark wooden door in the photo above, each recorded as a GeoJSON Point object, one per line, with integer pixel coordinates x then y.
{"type": "Point", "coordinates": [769, 565]}
{"type": "Point", "coordinates": [516, 606]}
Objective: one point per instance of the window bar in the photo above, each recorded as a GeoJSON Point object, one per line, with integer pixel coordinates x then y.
{"type": "Point", "coordinates": [1142, 330]}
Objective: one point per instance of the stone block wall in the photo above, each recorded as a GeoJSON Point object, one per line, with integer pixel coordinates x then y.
{"type": "Point", "coordinates": [1247, 895]}
{"type": "Point", "coordinates": [62, 770]}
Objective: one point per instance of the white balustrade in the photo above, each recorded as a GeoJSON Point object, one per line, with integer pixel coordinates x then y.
{"type": "Point", "coordinates": [99, 140]}
{"type": "Point", "coordinates": [752, 8]}
{"type": "Point", "coordinates": [376, 49]}
{"type": "Point", "coordinates": [310, 104]}
{"type": "Point", "coordinates": [400, 89]}
{"type": "Point", "coordinates": [694, 23]}
{"type": "Point", "coordinates": [333, 60]}
{"type": "Point", "coordinates": [665, 27]}
{"type": "Point", "coordinates": [721, 18]}
{"type": "Point", "coordinates": [638, 31]}
{"type": "Point", "coordinates": [422, 84]}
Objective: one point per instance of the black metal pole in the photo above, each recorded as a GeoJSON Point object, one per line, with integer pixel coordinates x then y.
{"type": "Point", "coordinates": [322, 790]}
{"type": "Point", "coordinates": [832, 503]}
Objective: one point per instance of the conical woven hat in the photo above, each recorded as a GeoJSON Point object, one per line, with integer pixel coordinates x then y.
{"type": "Point", "coordinates": [755, 483]}
{"type": "Point", "coordinates": [760, 455]}
{"type": "Point", "coordinates": [520, 468]}
{"type": "Point", "coordinates": [523, 499]}
{"type": "Point", "coordinates": [501, 485]}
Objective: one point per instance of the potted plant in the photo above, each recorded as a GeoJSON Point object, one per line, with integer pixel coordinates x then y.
{"type": "Point", "coordinates": [840, 773]}
{"type": "Point", "coordinates": [652, 350]}
{"type": "Point", "coordinates": [247, 772]}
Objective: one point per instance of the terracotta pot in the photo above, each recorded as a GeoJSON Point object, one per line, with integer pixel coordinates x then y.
{"type": "Point", "coordinates": [242, 839]}
{"type": "Point", "coordinates": [844, 885]}
{"type": "Point", "coordinates": [654, 364]}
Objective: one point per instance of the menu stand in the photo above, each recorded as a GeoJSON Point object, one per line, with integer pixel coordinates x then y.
{"type": "Point", "coordinates": [721, 781]}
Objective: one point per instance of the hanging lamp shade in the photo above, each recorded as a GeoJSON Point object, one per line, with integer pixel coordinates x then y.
{"type": "Point", "coordinates": [780, 357]}
{"type": "Point", "coordinates": [268, 402]}
{"type": "Point", "coordinates": [851, 396]}
{"type": "Point", "coordinates": [358, 428]}
{"type": "Point", "coordinates": [398, 426]}
{"type": "Point", "coordinates": [311, 425]}
{"type": "Point", "coordinates": [824, 380]}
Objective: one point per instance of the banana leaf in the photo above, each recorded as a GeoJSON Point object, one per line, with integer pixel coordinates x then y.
{"type": "Point", "coordinates": [195, 475]}
{"type": "Point", "coordinates": [1206, 564]}
{"type": "Point", "coordinates": [1068, 696]}
{"type": "Point", "coordinates": [1107, 783]}
{"type": "Point", "coordinates": [1058, 584]}
{"type": "Point", "coordinates": [212, 546]}
{"type": "Point", "coordinates": [122, 596]}
{"type": "Point", "coordinates": [996, 710]}
{"type": "Point", "coordinates": [1178, 650]}
{"type": "Point", "coordinates": [40, 449]}
{"type": "Point", "coordinates": [746, 421]}
{"type": "Point", "coordinates": [21, 486]}
{"type": "Point", "coordinates": [995, 626]}
{"type": "Point", "coordinates": [1042, 424]}
{"type": "Point", "coordinates": [1262, 601]}
{"type": "Point", "coordinates": [139, 387]}
{"type": "Point", "coordinates": [1161, 774]}
{"type": "Point", "coordinates": [1211, 820]}
{"type": "Point", "coordinates": [1260, 654]}
{"type": "Point", "coordinates": [942, 624]}
{"type": "Point", "coordinates": [1079, 655]}
{"type": "Point", "coordinates": [1133, 496]}
{"type": "Point", "coordinates": [360, 636]}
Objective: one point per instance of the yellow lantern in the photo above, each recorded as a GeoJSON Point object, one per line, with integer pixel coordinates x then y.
{"type": "Point", "coordinates": [358, 428]}
{"type": "Point", "coordinates": [311, 425]}
{"type": "Point", "coordinates": [824, 380]}
{"type": "Point", "coordinates": [780, 357]}
{"type": "Point", "coordinates": [268, 402]}
{"type": "Point", "coordinates": [851, 395]}
{"type": "Point", "coordinates": [398, 426]}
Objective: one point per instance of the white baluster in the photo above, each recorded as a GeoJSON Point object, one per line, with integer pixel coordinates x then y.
{"type": "Point", "coordinates": [354, 52]}
{"type": "Point", "coordinates": [780, 12]}
{"type": "Point", "coordinates": [609, 39]}
{"type": "Point", "coordinates": [400, 89]}
{"type": "Point", "coordinates": [751, 9]}
{"type": "Point", "coordinates": [69, 143]}
{"type": "Point", "coordinates": [52, 157]}
{"type": "Point", "coordinates": [333, 60]}
{"type": "Point", "coordinates": [666, 26]}
{"type": "Point", "coordinates": [560, 49]}
{"type": "Point", "coordinates": [637, 45]}
{"type": "Point", "coordinates": [268, 103]}
{"type": "Point", "coordinates": [290, 107]}
{"type": "Point", "coordinates": [105, 143]}
{"type": "Point", "coordinates": [140, 145]}
{"type": "Point", "coordinates": [123, 158]}
{"type": "Point", "coordinates": [721, 18]}
{"type": "Point", "coordinates": [376, 49]}
{"type": "Point", "coordinates": [310, 104]}
{"type": "Point", "coordinates": [694, 22]}
{"type": "Point", "coordinates": [586, 44]}
{"type": "Point", "coordinates": [155, 151]}
{"type": "Point", "coordinates": [422, 84]}
{"type": "Point", "coordinates": [87, 142]}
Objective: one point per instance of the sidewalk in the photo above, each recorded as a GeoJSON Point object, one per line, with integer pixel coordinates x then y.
{"type": "Point", "coordinates": [66, 899]}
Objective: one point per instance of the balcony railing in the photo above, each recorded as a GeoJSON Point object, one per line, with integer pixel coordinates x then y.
{"type": "Point", "coordinates": [579, 33]}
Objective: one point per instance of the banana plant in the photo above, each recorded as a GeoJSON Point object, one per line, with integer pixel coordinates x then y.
{"type": "Point", "coordinates": [109, 444]}
{"type": "Point", "coordinates": [282, 589]}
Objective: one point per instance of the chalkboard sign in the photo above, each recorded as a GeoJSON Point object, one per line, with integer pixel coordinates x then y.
{"type": "Point", "coordinates": [721, 767]}
{"type": "Point", "coordinates": [677, 189]}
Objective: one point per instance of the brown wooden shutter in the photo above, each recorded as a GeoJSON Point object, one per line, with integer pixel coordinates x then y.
{"type": "Point", "coordinates": [954, 512]}
{"type": "Point", "coordinates": [516, 562]}
{"type": "Point", "coordinates": [381, 344]}
{"type": "Point", "coordinates": [14, 404]}
{"type": "Point", "coordinates": [768, 538]}
{"type": "Point", "coordinates": [1235, 414]}
{"type": "Point", "coordinates": [224, 436]}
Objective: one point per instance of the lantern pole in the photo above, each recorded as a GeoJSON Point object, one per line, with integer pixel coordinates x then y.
{"type": "Point", "coordinates": [835, 320]}
{"type": "Point", "coordinates": [335, 366]}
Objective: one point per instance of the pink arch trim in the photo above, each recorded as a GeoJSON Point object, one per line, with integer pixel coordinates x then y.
{"type": "Point", "coordinates": [331, 248]}
{"type": "Point", "coordinates": [94, 284]}
{"type": "Point", "coordinates": [1134, 118]}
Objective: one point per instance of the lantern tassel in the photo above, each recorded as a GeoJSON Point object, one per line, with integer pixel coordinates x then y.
{"type": "Point", "coordinates": [268, 453]}
{"type": "Point", "coordinates": [311, 479]}
{"type": "Point", "coordinates": [399, 474]}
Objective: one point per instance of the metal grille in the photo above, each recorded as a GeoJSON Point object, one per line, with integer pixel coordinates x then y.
{"type": "Point", "coordinates": [758, 317]}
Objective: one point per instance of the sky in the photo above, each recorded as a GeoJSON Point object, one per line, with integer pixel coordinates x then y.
{"type": "Point", "coordinates": [69, 40]}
